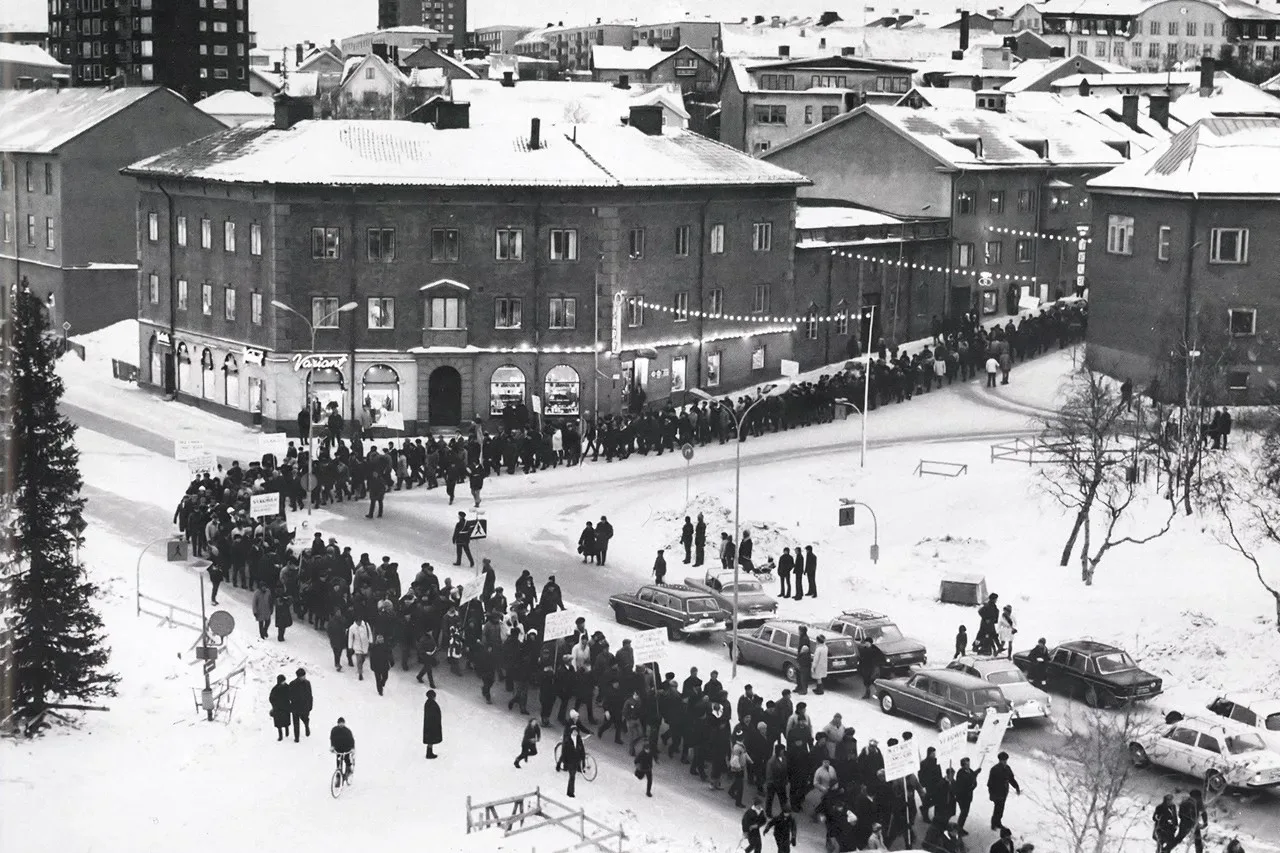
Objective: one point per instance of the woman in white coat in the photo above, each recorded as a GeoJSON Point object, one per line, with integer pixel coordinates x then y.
{"type": "Point", "coordinates": [1005, 629]}
{"type": "Point", "coordinates": [359, 638]}
{"type": "Point", "coordinates": [818, 669]}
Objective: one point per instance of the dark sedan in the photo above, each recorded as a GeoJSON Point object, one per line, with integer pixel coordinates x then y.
{"type": "Point", "coordinates": [1099, 673]}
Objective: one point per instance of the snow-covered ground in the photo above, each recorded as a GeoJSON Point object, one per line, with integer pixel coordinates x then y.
{"type": "Point", "coordinates": [1184, 606]}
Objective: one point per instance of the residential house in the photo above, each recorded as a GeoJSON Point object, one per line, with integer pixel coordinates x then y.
{"type": "Point", "coordinates": [23, 66]}
{"type": "Point", "coordinates": [703, 36]}
{"type": "Point", "coordinates": [683, 66]}
{"type": "Point", "coordinates": [233, 108]}
{"type": "Point", "coordinates": [68, 215]}
{"type": "Point", "coordinates": [371, 88]}
{"type": "Point", "coordinates": [570, 47]}
{"type": "Point", "coordinates": [426, 57]}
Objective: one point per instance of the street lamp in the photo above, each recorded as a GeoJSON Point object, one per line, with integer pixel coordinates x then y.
{"type": "Point", "coordinates": [772, 389]}
{"type": "Point", "coordinates": [312, 326]}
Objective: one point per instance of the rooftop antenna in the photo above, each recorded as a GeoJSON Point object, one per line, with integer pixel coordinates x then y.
{"type": "Point", "coordinates": [284, 69]}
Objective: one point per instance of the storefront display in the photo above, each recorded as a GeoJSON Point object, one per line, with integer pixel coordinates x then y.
{"type": "Point", "coordinates": [679, 367]}
{"type": "Point", "coordinates": [207, 384]}
{"type": "Point", "coordinates": [506, 387]}
{"type": "Point", "coordinates": [563, 392]}
{"type": "Point", "coordinates": [231, 378]}
{"type": "Point", "coordinates": [381, 393]}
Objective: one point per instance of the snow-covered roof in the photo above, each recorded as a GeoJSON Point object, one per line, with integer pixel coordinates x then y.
{"type": "Point", "coordinates": [808, 218]}
{"type": "Point", "coordinates": [1213, 157]}
{"type": "Point", "coordinates": [302, 84]}
{"type": "Point", "coordinates": [662, 96]}
{"type": "Point", "coordinates": [946, 97]}
{"type": "Point", "coordinates": [1122, 79]}
{"type": "Point", "coordinates": [355, 63]}
{"type": "Point", "coordinates": [744, 69]}
{"type": "Point", "coordinates": [428, 78]}
{"type": "Point", "coordinates": [1031, 72]}
{"type": "Point", "coordinates": [881, 43]}
{"type": "Point", "coordinates": [556, 101]}
{"type": "Point", "coordinates": [28, 54]}
{"type": "Point", "coordinates": [270, 78]}
{"type": "Point", "coordinates": [399, 153]}
{"type": "Point", "coordinates": [233, 102]}
{"type": "Point", "coordinates": [1097, 8]}
{"type": "Point", "coordinates": [444, 57]}
{"type": "Point", "coordinates": [41, 121]}
{"type": "Point", "coordinates": [613, 58]}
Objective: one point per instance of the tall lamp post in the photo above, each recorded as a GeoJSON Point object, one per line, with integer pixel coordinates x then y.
{"type": "Point", "coordinates": [306, 401]}
{"type": "Point", "coordinates": [773, 389]}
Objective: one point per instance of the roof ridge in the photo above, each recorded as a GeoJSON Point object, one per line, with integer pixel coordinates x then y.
{"type": "Point", "coordinates": [573, 140]}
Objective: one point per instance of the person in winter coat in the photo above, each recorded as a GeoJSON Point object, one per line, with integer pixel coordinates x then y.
{"type": "Point", "coordinates": [993, 366]}
{"type": "Point", "coordinates": [644, 768]}
{"type": "Point", "coordinates": [686, 539]}
{"type": "Point", "coordinates": [300, 702]}
{"type": "Point", "coordinates": [835, 731]}
{"type": "Point", "coordinates": [962, 642]}
{"type": "Point", "coordinates": [587, 543]}
{"type": "Point", "coordinates": [784, 829]}
{"type": "Point", "coordinates": [529, 741]}
{"type": "Point", "coordinates": [280, 708]}
{"type": "Point", "coordinates": [1165, 829]}
{"type": "Point", "coordinates": [336, 628]}
{"type": "Point", "coordinates": [965, 784]}
{"type": "Point", "coordinates": [380, 660]}
{"type": "Point", "coordinates": [775, 780]}
{"type": "Point", "coordinates": [359, 639]}
{"type": "Point", "coordinates": [999, 781]}
{"type": "Point", "coordinates": [818, 668]}
{"type": "Point", "coordinates": [462, 540]}
{"type": "Point", "coordinates": [804, 668]}
{"type": "Point", "coordinates": [811, 570]}
{"type": "Point", "coordinates": [660, 568]}
{"type": "Point", "coordinates": [739, 760]}
{"type": "Point", "coordinates": [431, 729]}
{"type": "Point", "coordinates": [476, 481]}
{"type": "Point", "coordinates": [427, 649]}
{"type": "Point", "coordinates": [785, 566]}
{"type": "Point", "coordinates": [284, 614]}
{"type": "Point", "coordinates": [699, 541]}
{"type": "Point", "coordinates": [604, 533]}
{"type": "Point", "coordinates": [753, 820]}
{"type": "Point", "coordinates": [263, 609]}
{"type": "Point", "coordinates": [1005, 629]}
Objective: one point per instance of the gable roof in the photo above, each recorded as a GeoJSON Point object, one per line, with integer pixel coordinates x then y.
{"type": "Point", "coordinates": [743, 69]}
{"type": "Point", "coordinates": [613, 58]}
{"type": "Point", "coordinates": [355, 63]}
{"type": "Point", "coordinates": [41, 121]}
{"type": "Point", "coordinates": [29, 54]}
{"type": "Point", "coordinates": [320, 58]}
{"type": "Point", "coordinates": [448, 60]}
{"type": "Point", "coordinates": [1033, 72]}
{"type": "Point", "coordinates": [557, 101]}
{"type": "Point", "coordinates": [236, 102]}
{"type": "Point", "coordinates": [399, 153]}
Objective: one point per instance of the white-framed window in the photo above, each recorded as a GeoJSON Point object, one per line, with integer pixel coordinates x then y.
{"type": "Point", "coordinates": [50, 233]}
{"type": "Point", "coordinates": [206, 233]}
{"type": "Point", "coordinates": [444, 244]}
{"type": "Point", "coordinates": [153, 288]}
{"type": "Point", "coordinates": [679, 372]}
{"type": "Point", "coordinates": [760, 299]}
{"type": "Point", "coordinates": [1119, 235]}
{"type": "Point", "coordinates": [564, 244]}
{"type": "Point", "coordinates": [381, 245]}
{"type": "Point", "coordinates": [1164, 236]}
{"type": "Point", "coordinates": [1243, 322]}
{"type": "Point", "coordinates": [31, 229]}
{"type": "Point", "coordinates": [381, 312]}
{"type": "Point", "coordinates": [508, 312]}
{"type": "Point", "coordinates": [680, 306]}
{"type": "Point", "coordinates": [229, 304]}
{"type": "Point", "coordinates": [445, 312]}
{"type": "Point", "coordinates": [326, 243]}
{"type": "Point", "coordinates": [682, 241]}
{"type": "Point", "coordinates": [1023, 250]}
{"type": "Point", "coordinates": [758, 356]}
{"type": "Point", "coordinates": [635, 246]}
{"type": "Point", "coordinates": [1229, 246]}
{"type": "Point", "coordinates": [324, 312]}
{"type": "Point", "coordinates": [762, 236]}
{"type": "Point", "coordinates": [206, 299]}
{"type": "Point", "coordinates": [182, 230]}
{"type": "Point", "coordinates": [509, 244]}
{"type": "Point", "coordinates": [562, 312]}
{"type": "Point", "coordinates": [717, 239]}
{"type": "Point", "coordinates": [153, 227]}
{"type": "Point", "coordinates": [228, 236]}
{"type": "Point", "coordinates": [811, 327]}
{"type": "Point", "coordinates": [713, 369]}
{"type": "Point", "coordinates": [842, 321]}
{"type": "Point", "coordinates": [964, 255]}
{"type": "Point", "coordinates": [715, 301]}
{"type": "Point", "coordinates": [635, 312]}
{"type": "Point", "coordinates": [255, 238]}
{"type": "Point", "coordinates": [183, 293]}
{"type": "Point", "coordinates": [255, 308]}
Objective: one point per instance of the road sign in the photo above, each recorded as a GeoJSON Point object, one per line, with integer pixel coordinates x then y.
{"type": "Point", "coordinates": [186, 449]}
{"type": "Point", "coordinates": [472, 589]}
{"type": "Point", "coordinates": [66, 325]}
{"type": "Point", "coordinates": [206, 652]}
{"type": "Point", "coordinates": [991, 735]}
{"type": "Point", "coordinates": [847, 514]}
{"type": "Point", "coordinates": [560, 624]}
{"type": "Point", "coordinates": [221, 623]}
{"type": "Point", "coordinates": [203, 464]}
{"type": "Point", "coordinates": [209, 666]}
{"type": "Point", "coordinates": [177, 550]}
{"type": "Point", "coordinates": [310, 482]}
{"type": "Point", "coordinates": [900, 761]}
{"type": "Point", "coordinates": [650, 646]}
{"type": "Point", "coordinates": [687, 452]}
{"type": "Point", "coordinates": [264, 505]}
{"type": "Point", "coordinates": [477, 528]}
{"type": "Point", "coordinates": [952, 745]}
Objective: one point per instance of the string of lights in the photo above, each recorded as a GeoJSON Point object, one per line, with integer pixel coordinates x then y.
{"type": "Point", "coordinates": [1017, 232]}
{"type": "Point", "coordinates": [791, 322]}
{"type": "Point", "coordinates": [938, 269]}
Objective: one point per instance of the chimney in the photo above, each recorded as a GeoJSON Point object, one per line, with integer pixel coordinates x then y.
{"type": "Point", "coordinates": [975, 83]}
{"type": "Point", "coordinates": [759, 19]}
{"type": "Point", "coordinates": [828, 18]}
{"type": "Point", "coordinates": [848, 51]}
{"type": "Point", "coordinates": [380, 50]}
{"type": "Point", "coordinates": [1084, 87]}
{"type": "Point", "coordinates": [624, 81]}
{"type": "Point", "coordinates": [297, 52]}
{"type": "Point", "coordinates": [1158, 108]}
{"type": "Point", "coordinates": [647, 119]}
{"type": "Point", "coordinates": [1129, 110]}
{"type": "Point", "coordinates": [290, 111]}
{"type": "Point", "coordinates": [964, 30]}
{"type": "Point", "coordinates": [1207, 67]}
{"type": "Point", "coordinates": [784, 50]}
{"type": "Point", "coordinates": [535, 134]}
{"type": "Point", "coordinates": [822, 43]}
{"type": "Point", "coordinates": [508, 79]}
{"type": "Point", "coordinates": [453, 115]}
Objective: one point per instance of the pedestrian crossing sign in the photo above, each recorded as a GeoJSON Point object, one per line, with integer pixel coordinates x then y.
{"type": "Point", "coordinates": [477, 528]}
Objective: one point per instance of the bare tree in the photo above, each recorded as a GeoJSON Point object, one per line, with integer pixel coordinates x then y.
{"type": "Point", "coordinates": [1247, 499]}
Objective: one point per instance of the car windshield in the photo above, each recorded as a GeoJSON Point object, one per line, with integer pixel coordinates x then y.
{"type": "Point", "coordinates": [745, 586]}
{"type": "Point", "coordinates": [1273, 723]}
{"type": "Point", "coordinates": [702, 605]}
{"type": "Point", "coordinates": [1006, 676]}
{"type": "Point", "coordinates": [884, 632]}
{"type": "Point", "coordinates": [1240, 744]}
{"type": "Point", "coordinates": [1115, 662]}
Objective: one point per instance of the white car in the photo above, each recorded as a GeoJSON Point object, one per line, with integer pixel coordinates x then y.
{"type": "Point", "coordinates": [1028, 701]}
{"type": "Point", "coordinates": [1223, 753]}
{"type": "Point", "coordinates": [1253, 710]}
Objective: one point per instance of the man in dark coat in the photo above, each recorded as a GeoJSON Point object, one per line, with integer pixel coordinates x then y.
{"type": "Point", "coordinates": [376, 482]}
{"type": "Point", "coordinates": [811, 570]}
{"type": "Point", "coordinates": [799, 573]}
{"type": "Point", "coordinates": [784, 829]}
{"type": "Point", "coordinates": [700, 541]}
{"type": "Point", "coordinates": [1166, 824]}
{"type": "Point", "coordinates": [604, 532]}
{"type": "Point", "coordinates": [785, 566]}
{"type": "Point", "coordinates": [462, 541]}
{"type": "Point", "coordinates": [431, 735]}
{"type": "Point", "coordinates": [686, 539]}
{"type": "Point", "coordinates": [280, 708]}
{"type": "Point", "coordinates": [300, 702]}
{"type": "Point", "coordinates": [966, 783]}
{"type": "Point", "coordinates": [999, 781]}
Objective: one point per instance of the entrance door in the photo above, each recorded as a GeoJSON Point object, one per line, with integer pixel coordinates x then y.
{"type": "Point", "coordinates": [444, 397]}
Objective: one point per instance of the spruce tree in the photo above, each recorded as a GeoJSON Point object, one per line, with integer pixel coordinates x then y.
{"type": "Point", "coordinates": [57, 648]}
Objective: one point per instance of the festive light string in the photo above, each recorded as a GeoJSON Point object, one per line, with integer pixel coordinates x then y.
{"type": "Point", "coordinates": [1016, 232]}
{"type": "Point", "coordinates": [938, 269]}
{"type": "Point", "coordinates": [747, 318]}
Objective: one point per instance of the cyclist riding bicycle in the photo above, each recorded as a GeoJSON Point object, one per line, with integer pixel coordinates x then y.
{"type": "Point", "coordinates": [343, 742]}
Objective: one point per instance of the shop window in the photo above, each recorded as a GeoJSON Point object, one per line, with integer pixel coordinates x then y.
{"type": "Point", "coordinates": [186, 381]}
{"type": "Point", "coordinates": [231, 382]}
{"type": "Point", "coordinates": [563, 392]}
{"type": "Point", "coordinates": [758, 358]}
{"type": "Point", "coordinates": [208, 385]}
{"type": "Point", "coordinates": [713, 369]}
{"type": "Point", "coordinates": [679, 373]}
{"type": "Point", "coordinates": [506, 387]}
{"type": "Point", "coordinates": [381, 392]}
{"type": "Point", "coordinates": [328, 387]}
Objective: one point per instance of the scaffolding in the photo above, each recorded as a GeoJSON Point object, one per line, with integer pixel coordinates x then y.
{"type": "Point", "coordinates": [535, 810]}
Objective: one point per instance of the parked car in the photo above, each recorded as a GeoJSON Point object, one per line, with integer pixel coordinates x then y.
{"type": "Point", "coordinates": [754, 604]}
{"type": "Point", "coordinates": [775, 645]}
{"type": "Point", "coordinates": [898, 653]}
{"type": "Point", "coordinates": [1222, 752]}
{"type": "Point", "coordinates": [943, 697]}
{"type": "Point", "coordinates": [1027, 700]}
{"type": "Point", "coordinates": [683, 611]}
{"type": "Point", "coordinates": [1253, 710]}
{"type": "Point", "coordinates": [1101, 674]}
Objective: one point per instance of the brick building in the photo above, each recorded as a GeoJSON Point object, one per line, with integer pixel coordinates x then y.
{"type": "Point", "coordinates": [473, 286]}
{"type": "Point", "coordinates": [68, 213]}
{"type": "Point", "coordinates": [1182, 261]}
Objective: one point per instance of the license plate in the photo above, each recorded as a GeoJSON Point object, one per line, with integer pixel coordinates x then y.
{"type": "Point", "coordinates": [838, 664]}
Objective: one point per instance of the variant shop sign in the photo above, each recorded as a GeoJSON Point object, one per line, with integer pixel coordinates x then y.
{"type": "Point", "coordinates": [319, 361]}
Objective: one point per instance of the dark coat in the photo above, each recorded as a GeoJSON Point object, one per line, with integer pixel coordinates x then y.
{"type": "Point", "coordinates": [284, 612]}
{"type": "Point", "coordinates": [300, 698]}
{"type": "Point", "coordinates": [280, 707]}
{"type": "Point", "coordinates": [431, 723]}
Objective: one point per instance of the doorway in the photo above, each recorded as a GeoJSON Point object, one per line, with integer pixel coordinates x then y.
{"type": "Point", "coordinates": [444, 397]}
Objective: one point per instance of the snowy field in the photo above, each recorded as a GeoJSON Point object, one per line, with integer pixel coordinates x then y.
{"type": "Point", "coordinates": [152, 775]}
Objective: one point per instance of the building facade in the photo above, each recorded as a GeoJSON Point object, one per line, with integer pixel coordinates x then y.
{"type": "Point", "coordinates": [195, 47]}
{"type": "Point", "coordinates": [570, 47]}
{"type": "Point", "coordinates": [683, 66]}
{"type": "Point", "coordinates": [67, 212]}
{"type": "Point", "coordinates": [574, 269]}
{"type": "Point", "coordinates": [702, 36]}
{"type": "Point", "coordinates": [497, 38]}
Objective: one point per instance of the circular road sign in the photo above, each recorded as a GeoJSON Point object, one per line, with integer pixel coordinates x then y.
{"type": "Point", "coordinates": [221, 623]}
{"type": "Point", "coordinates": [687, 452]}
{"type": "Point", "coordinates": [311, 482]}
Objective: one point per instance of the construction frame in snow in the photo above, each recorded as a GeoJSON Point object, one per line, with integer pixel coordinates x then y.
{"type": "Point", "coordinates": [541, 811]}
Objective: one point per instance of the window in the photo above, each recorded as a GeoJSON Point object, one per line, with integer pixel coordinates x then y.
{"type": "Point", "coordinates": [229, 304]}
{"type": "Point", "coordinates": [368, 73]}
{"type": "Point", "coordinates": [8, 227]}
{"type": "Point", "coordinates": [713, 369]}
{"type": "Point", "coordinates": [182, 230]}
{"type": "Point", "coordinates": [762, 236]}
{"type": "Point", "coordinates": [1023, 251]}
{"type": "Point", "coordinates": [31, 229]}
{"type": "Point", "coordinates": [507, 312]}
{"type": "Point", "coordinates": [1119, 235]}
{"type": "Point", "coordinates": [1229, 246]}
{"type": "Point", "coordinates": [206, 300]}
{"type": "Point", "coordinates": [808, 114]}
{"type": "Point", "coordinates": [228, 236]}
{"type": "Point", "coordinates": [1209, 30]}
{"type": "Point", "coordinates": [1173, 28]}
{"type": "Point", "coordinates": [770, 114]}
{"type": "Point", "coordinates": [1191, 28]}
{"type": "Point", "coordinates": [326, 243]}
{"type": "Point", "coordinates": [48, 179]}
{"type": "Point", "coordinates": [509, 244]}
{"type": "Point", "coordinates": [255, 238]}
{"type": "Point", "coordinates": [680, 306]}
{"type": "Point", "coordinates": [182, 294]}
{"type": "Point", "coordinates": [324, 312]}
{"type": "Point", "coordinates": [1163, 236]}
{"type": "Point", "coordinates": [381, 244]}
{"type": "Point", "coordinates": [682, 241]}
{"type": "Point", "coordinates": [255, 308]}
{"type": "Point", "coordinates": [635, 247]}
{"type": "Point", "coordinates": [993, 254]}
{"type": "Point", "coordinates": [219, 50]}
{"type": "Point", "coordinates": [1238, 381]}
{"type": "Point", "coordinates": [382, 312]}
{"type": "Point", "coordinates": [965, 203]}
{"type": "Point", "coordinates": [1026, 201]}
{"type": "Point", "coordinates": [717, 239]}
{"type": "Point", "coordinates": [206, 234]}
{"type": "Point", "coordinates": [50, 233]}
{"type": "Point", "coordinates": [153, 227]}
{"type": "Point", "coordinates": [562, 313]}
{"type": "Point", "coordinates": [153, 288]}
{"type": "Point", "coordinates": [760, 299]}
{"type": "Point", "coordinates": [679, 370]}
{"type": "Point", "coordinates": [842, 320]}
{"type": "Point", "coordinates": [564, 244]}
{"type": "Point", "coordinates": [758, 357]}
{"type": "Point", "coordinates": [829, 112]}
{"type": "Point", "coordinates": [715, 301]}
{"type": "Point", "coordinates": [1153, 49]}
{"type": "Point", "coordinates": [811, 328]}
{"type": "Point", "coordinates": [1117, 49]}
{"type": "Point", "coordinates": [784, 82]}
{"type": "Point", "coordinates": [635, 312]}
{"type": "Point", "coordinates": [31, 177]}
{"type": "Point", "coordinates": [1244, 322]}
{"type": "Point", "coordinates": [445, 312]}
{"type": "Point", "coordinates": [964, 256]}
{"type": "Point", "coordinates": [995, 201]}
{"type": "Point", "coordinates": [444, 244]}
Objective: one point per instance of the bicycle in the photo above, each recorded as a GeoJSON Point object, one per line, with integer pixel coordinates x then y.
{"type": "Point", "coordinates": [589, 769]}
{"type": "Point", "coordinates": [345, 766]}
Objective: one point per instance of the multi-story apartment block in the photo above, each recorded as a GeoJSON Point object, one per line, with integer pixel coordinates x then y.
{"type": "Point", "coordinates": [570, 47]}
{"type": "Point", "coordinates": [447, 16]}
{"type": "Point", "coordinates": [405, 39]}
{"type": "Point", "coordinates": [702, 36]}
{"type": "Point", "coordinates": [195, 47]}
{"type": "Point", "coordinates": [497, 38]}
{"type": "Point", "coordinates": [67, 212]}
{"type": "Point", "coordinates": [683, 66]}
{"type": "Point", "coordinates": [492, 264]}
